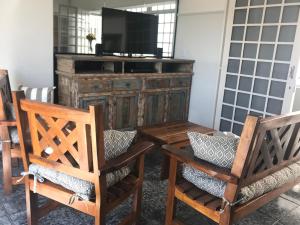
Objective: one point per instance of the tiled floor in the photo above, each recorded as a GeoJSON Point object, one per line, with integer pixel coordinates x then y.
{"type": "Point", "coordinates": [282, 211]}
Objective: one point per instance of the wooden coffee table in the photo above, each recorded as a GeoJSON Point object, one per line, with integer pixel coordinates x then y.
{"type": "Point", "coordinates": [174, 134]}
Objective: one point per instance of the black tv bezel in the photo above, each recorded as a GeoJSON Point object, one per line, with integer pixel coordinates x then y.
{"type": "Point", "coordinates": [129, 52]}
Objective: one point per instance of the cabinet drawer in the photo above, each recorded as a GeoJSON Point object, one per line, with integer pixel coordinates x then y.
{"type": "Point", "coordinates": [181, 82]}
{"type": "Point", "coordinates": [157, 83]}
{"type": "Point", "coordinates": [93, 86]}
{"type": "Point", "coordinates": [127, 84]}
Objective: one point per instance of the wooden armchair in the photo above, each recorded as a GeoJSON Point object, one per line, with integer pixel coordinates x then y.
{"type": "Point", "coordinates": [75, 140]}
{"type": "Point", "coordinates": [267, 146]}
{"type": "Point", "coordinates": [10, 150]}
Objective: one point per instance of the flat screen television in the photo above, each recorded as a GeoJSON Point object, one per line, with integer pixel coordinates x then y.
{"type": "Point", "coordinates": [129, 32]}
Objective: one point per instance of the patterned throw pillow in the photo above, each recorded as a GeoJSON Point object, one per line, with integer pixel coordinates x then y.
{"type": "Point", "coordinates": [218, 150]}
{"type": "Point", "coordinates": [203, 181]}
{"type": "Point", "coordinates": [44, 94]}
{"type": "Point", "coordinates": [117, 142]}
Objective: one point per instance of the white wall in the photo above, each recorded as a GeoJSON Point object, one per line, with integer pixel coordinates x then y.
{"type": "Point", "coordinates": [26, 41]}
{"type": "Point", "coordinates": [200, 37]}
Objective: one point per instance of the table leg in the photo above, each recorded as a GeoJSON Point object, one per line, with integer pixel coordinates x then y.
{"type": "Point", "coordinates": [165, 164]}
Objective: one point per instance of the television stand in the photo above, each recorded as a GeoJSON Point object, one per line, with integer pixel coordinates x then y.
{"type": "Point", "coordinates": [134, 91]}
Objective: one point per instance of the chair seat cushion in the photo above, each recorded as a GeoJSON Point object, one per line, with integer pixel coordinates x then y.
{"type": "Point", "coordinates": [217, 187]}
{"type": "Point", "coordinates": [83, 189]}
{"type": "Point", "coordinates": [219, 150]}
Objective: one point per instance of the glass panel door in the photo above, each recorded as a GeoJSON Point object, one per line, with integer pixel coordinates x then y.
{"type": "Point", "coordinates": [259, 61]}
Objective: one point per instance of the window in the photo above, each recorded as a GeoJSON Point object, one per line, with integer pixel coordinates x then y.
{"type": "Point", "coordinates": [75, 24]}
{"type": "Point", "coordinates": [166, 28]}
{"type": "Point", "coordinates": [88, 23]}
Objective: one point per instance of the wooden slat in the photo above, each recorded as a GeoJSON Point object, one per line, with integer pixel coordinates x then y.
{"type": "Point", "coordinates": [212, 214]}
{"type": "Point", "coordinates": [62, 196]}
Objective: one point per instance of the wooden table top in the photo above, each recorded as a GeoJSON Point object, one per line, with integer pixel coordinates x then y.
{"type": "Point", "coordinates": [171, 133]}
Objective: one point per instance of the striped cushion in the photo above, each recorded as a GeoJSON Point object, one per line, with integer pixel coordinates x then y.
{"type": "Point", "coordinates": [39, 94]}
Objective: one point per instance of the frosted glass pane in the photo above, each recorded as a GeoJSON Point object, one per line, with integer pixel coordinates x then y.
{"type": "Point", "coordinates": [269, 33]}
{"type": "Point", "coordinates": [240, 3]}
{"type": "Point", "coordinates": [274, 106]}
{"type": "Point", "coordinates": [225, 125]}
{"type": "Point", "coordinates": [237, 33]}
{"type": "Point", "coordinates": [245, 84]}
{"type": "Point", "coordinates": [292, 1]}
{"type": "Point", "coordinates": [255, 15]}
{"type": "Point", "coordinates": [284, 52]}
{"type": "Point", "coordinates": [237, 129]}
{"type": "Point", "coordinates": [258, 103]}
{"type": "Point", "coordinates": [255, 114]}
{"type": "Point", "coordinates": [252, 33]}
{"type": "Point", "coordinates": [257, 2]}
{"type": "Point", "coordinates": [266, 51]}
{"type": "Point", "coordinates": [248, 67]}
{"type": "Point", "coordinates": [277, 89]}
{"type": "Point", "coordinates": [240, 115]}
{"type": "Point", "coordinates": [235, 50]}
{"type": "Point", "coordinates": [290, 14]}
{"type": "Point", "coordinates": [243, 100]}
{"type": "Point", "coordinates": [229, 97]}
{"type": "Point", "coordinates": [272, 14]}
{"type": "Point", "coordinates": [233, 66]}
{"type": "Point", "coordinates": [227, 111]}
{"type": "Point", "coordinates": [269, 2]}
{"type": "Point", "coordinates": [250, 51]}
{"type": "Point", "coordinates": [287, 33]}
{"type": "Point", "coordinates": [231, 81]}
{"type": "Point", "coordinates": [263, 69]}
{"type": "Point", "coordinates": [281, 71]}
{"type": "Point", "coordinates": [240, 16]}
{"type": "Point", "coordinates": [260, 86]}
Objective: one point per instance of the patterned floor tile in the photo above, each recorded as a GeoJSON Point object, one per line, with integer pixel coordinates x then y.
{"type": "Point", "coordinates": [278, 208]}
{"type": "Point", "coordinates": [293, 218]}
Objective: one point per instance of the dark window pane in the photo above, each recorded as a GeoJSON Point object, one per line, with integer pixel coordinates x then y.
{"type": "Point", "coordinates": [277, 89]}
{"type": "Point", "coordinates": [245, 84]}
{"type": "Point", "coordinates": [227, 111]}
{"type": "Point", "coordinates": [229, 97]}
{"type": "Point", "coordinates": [231, 81]}
{"type": "Point", "coordinates": [274, 106]}
{"type": "Point", "coordinates": [261, 86]}
{"type": "Point", "coordinates": [225, 125]}
{"type": "Point", "coordinates": [258, 103]}
{"type": "Point", "coordinates": [243, 100]}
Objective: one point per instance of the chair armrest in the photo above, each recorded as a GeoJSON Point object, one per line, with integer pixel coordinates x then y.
{"type": "Point", "coordinates": [133, 153]}
{"type": "Point", "coordinates": [186, 156]}
{"type": "Point", "coordinates": [8, 123]}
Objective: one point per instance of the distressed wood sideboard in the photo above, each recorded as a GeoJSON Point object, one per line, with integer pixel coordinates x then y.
{"type": "Point", "coordinates": [134, 91]}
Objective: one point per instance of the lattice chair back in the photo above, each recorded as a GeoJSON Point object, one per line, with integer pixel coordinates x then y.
{"type": "Point", "coordinates": [274, 143]}
{"type": "Point", "coordinates": [62, 138]}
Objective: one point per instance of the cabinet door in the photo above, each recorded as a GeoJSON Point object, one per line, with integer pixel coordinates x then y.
{"type": "Point", "coordinates": [84, 103]}
{"type": "Point", "coordinates": [125, 111]}
{"type": "Point", "coordinates": [177, 106]}
{"type": "Point", "coordinates": [154, 110]}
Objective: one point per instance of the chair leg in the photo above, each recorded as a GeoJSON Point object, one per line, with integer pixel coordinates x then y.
{"type": "Point", "coordinates": [138, 195]}
{"type": "Point", "coordinates": [100, 217]}
{"type": "Point", "coordinates": [7, 170]}
{"type": "Point", "coordinates": [171, 200]}
{"type": "Point", "coordinates": [225, 218]}
{"type": "Point", "coordinates": [31, 205]}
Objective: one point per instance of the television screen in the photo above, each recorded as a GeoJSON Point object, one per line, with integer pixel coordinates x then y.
{"type": "Point", "coordinates": [128, 32]}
